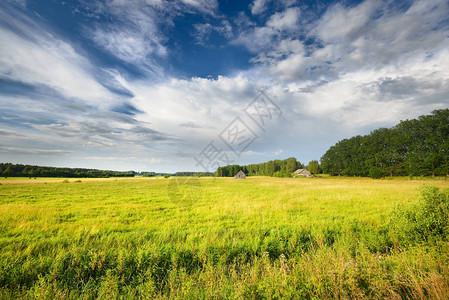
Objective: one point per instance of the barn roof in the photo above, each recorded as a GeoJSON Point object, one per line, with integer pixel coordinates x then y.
{"type": "Point", "coordinates": [240, 174]}
{"type": "Point", "coordinates": [302, 172]}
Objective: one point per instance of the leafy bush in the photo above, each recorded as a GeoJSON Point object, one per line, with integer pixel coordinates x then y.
{"type": "Point", "coordinates": [425, 221]}
{"type": "Point", "coordinates": [281, 174]}
{"type": "Point", "coordinates": [277, 174]}
{"type": "Point", "coordinates": [166, 176]}
{"type": "Point", "coordinates": [375, 172]}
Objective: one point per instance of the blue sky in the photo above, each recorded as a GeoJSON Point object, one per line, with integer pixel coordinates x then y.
{"type": "Point", "coordinates": [147, 85]}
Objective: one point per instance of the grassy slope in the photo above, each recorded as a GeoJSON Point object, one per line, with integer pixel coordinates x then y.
{"type": "Point", "coordinates": [260, 237]}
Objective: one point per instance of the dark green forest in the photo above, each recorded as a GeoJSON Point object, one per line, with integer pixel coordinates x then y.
{"type": "Point", "coordinates": [194, 174]}
{"type": "Point", "coordinates": [417, 147]}
{"type": "Point", "coordinates": [13, 170]}
{"type": "Point", "coordinates": [276, 168]}
{"type": "Point", "coordinates": [17, 170]}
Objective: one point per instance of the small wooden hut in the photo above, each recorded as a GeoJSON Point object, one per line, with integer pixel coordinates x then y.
{"type": "Point", "coordinates": [240, 175]}
{"type": "Point", "coordinates": [302, 172]}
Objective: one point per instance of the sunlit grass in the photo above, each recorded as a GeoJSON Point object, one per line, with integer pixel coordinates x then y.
{"type": "Point", "coordinates": [259, 237]}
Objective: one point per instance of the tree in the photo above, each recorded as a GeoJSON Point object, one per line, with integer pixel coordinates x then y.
{"type": "Point", "coordinates": [313, 167]}
{"type": "Point", "coordinates": [291, 165]}
{"type": "Point", "coordinates": [281, 168]}
{"type": "Point", "coordinates": [412, 147]}
{"type": "Point", "coordinates": [35, 171]}
{"type": "Point", "coordinates": [375, 172]}
{"type": "Point", "coordinates": [9, 171]}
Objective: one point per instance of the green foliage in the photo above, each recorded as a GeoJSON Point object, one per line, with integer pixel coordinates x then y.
{"type": "Point", "coordinates": [281, 174]}
{"type": "Point", "coordinates": [194, 174]}
{"type": "Point", "coordinates": [427, 220]}
{"type": "Point", "coordinates": [313, 167]}
{"type": "Point", "coordinates": [275, 168]}
{"type": "Point", "coordinates": [413, 147]}
{"type": "Point", "coordinates": [13, 170]}
{"type": "Point", "coordinates": [375, 172]}
{"type": "Point", "coordinates": [166, 176]}
{"type": "Point", "coordinates": [147, 174]}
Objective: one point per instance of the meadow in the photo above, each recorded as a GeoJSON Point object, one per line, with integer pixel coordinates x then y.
{"type": "Point", "coordinates": [215, 238]}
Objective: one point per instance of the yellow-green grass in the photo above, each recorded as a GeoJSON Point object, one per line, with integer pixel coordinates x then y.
{"type": "Point", "coordinates": [261, 237]}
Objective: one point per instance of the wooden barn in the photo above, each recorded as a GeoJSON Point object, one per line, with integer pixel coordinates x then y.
{"type": "Point", "coordinates": [240, 175]}
{"type": "Point", "coordinates": [302, 172]}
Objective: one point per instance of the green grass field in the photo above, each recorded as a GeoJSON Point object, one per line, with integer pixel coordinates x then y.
{"type": "Point", "coordinates": [217, 238]}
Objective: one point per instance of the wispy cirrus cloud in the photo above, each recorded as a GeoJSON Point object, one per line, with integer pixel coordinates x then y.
{"type": "Point", "coordinates": [17, 150]}
{"type": "Point", "coordinates": [205, 6]}
{"type": "Point", "coordinates": [138, 34]}
{"type": "Point", "coordinates": [203, 31]}
{"type": "Point", "coordinates": [118, 158]}
{"type": "Point", "coordinates": [34, 56]}
{"type": "Point", "coordinates": [55, 96]}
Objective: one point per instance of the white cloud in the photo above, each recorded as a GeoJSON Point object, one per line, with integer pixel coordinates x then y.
{"type": "Point", "coordinates": [208, 103]}
{"type": "Point", "coordinates": [206, 6]}
{"type": "Point", "coordinates": [259, 6]}
{"type": "Point", "coordinates": [128, 158]}
{"type": "Point", "coordinates": [377, 36]}
{"type": "Point", "coordinates": [66, 104]}
{"type": "Point", "coordinates": [204, 30]}
{"type": "Point", "coordinates": [258, 39]}
{"type": "Point", "coordinates": [285, 20]}
{"type": "Point", "coordinates": [137, 36]}
{"type": "Point", "coordinates": [367, 98]}
{"type": "Point", "coordinates": [341, 24]}
{"type": "Point", "coordinates": [34, 56]}
{"type": "Point", "coordinates": [17, 150]}
{"type": "Point", "coordinates": [128, 46]}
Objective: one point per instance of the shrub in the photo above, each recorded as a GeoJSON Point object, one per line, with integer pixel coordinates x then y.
{"type": "Point", "coordinates": [375, 172]}
{"type": "Point", "coordinates": [281, 174]}
{"type": "Point", "coordinates": [427, 220]}
{"type": "Point", "coordinates": [277, 174]}
{"type": "Point", "coordinates": [166, 176]}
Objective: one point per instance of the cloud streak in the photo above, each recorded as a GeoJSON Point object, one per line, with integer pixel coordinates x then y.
{"type": "Point", "coordinates": [17, 150]}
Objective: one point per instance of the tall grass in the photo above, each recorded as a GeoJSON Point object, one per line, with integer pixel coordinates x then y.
{"type": "Point", "coordinates": [256, 238]}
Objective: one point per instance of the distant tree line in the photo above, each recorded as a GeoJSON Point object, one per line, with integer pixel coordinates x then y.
{"type": "Point", "coordinates": [146, 174]}
{"type": "Point", "coordinates": [17, 170]}
{"type": "Point", "coordinates": [275, 168]}
{"type": "Point", "coordinates": [150, 174]}
{"type": "Point", "coordinates": [186, 174]}
{"type": "Point", "coordinates": [194, 174]}
{"type": "Point", "coordinates": [412, 147]}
